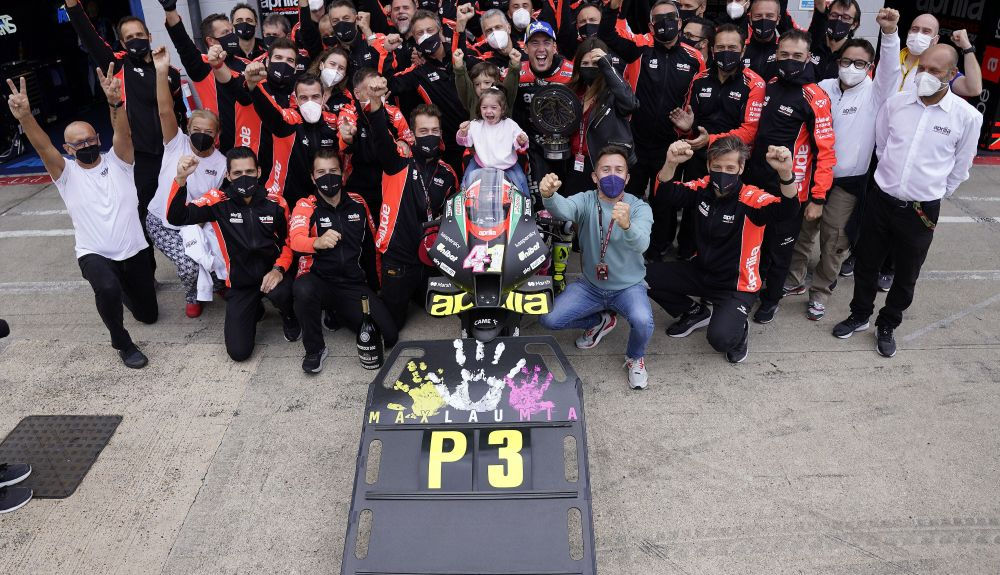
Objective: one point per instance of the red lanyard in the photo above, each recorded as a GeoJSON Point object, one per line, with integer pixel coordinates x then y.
{"type": "Point", "coordinates": [605, 239]}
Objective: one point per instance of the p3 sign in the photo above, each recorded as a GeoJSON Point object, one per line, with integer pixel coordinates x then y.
{"type": "Point", "coordinates": [472, 472]}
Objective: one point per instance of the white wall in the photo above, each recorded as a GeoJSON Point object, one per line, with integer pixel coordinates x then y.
{"type": "Point", "coordinates": [869, 8]}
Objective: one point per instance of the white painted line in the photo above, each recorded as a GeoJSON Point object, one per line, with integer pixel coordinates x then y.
{"type": "Point", "coordinates": [39, 213]}
{"type": "Point", "coordinates": [990, 275]}
{"type": "Point", "coordinates": [35, 233]}
{"type": "Point", "coordinates": [950, 319]}
{"type": "Point", "coordinates": [976, 198]}
{"type": "Point", "coordinates": [966, 220]}
{"type": "Point", "coordinates": [66, 286]}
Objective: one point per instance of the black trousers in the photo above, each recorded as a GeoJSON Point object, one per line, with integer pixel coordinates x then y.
{"type": "Point", "coordinates": [373, 197]}
{"type": "Point", "coordinates": [128, 282]}
{"type": "Point", "coordinates": [314, 294]}
{"type": "Point", "coordinates": [776, 256]}
{"type": "Point", "coordinates": [642, 178]}
{"type": "Point", "coordinates": [146, 173]}
{"type": "Point", "coordinates": [891, 227]}
{"type": "Point", "coordinates": [672, 284]}
{"type": "Point", "coordinates": [244, 306]}
{"type": "Point", "coordinates": [402, 283]}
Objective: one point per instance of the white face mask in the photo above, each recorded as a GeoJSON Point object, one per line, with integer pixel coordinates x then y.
{"type": "Point", "coordinates": [331, 76]}
{"type": "Point", "coordinates": [735, 10]}
{"type": "Point", "coordinates": [928, 84]}
{"type": "Point", "coordinates": [916, 42]}
{"type": "Point", "coordinates": [311, 111]}
{"type": "Point", "coordinates": [851, 76]}
{"type": "Point", "coordinates": [498, 39]}
{"type": "Point", "coordinates": [315, 4]}
{"type": "Point", "coordinates": [521, 18]}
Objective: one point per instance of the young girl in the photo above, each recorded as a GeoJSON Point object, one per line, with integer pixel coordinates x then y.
{"type": "Point", "coordinates": [495, 140]}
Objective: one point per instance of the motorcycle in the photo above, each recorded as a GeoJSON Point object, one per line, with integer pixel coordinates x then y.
{"type": "Point", "coordinates": [489, 248]}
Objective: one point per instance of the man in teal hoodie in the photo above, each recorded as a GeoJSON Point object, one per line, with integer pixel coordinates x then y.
{"type": "Point", "coordinates": [613, 230]}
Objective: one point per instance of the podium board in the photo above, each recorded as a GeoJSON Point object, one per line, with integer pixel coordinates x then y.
{"type": "Point", "coordinates": [473, 461]}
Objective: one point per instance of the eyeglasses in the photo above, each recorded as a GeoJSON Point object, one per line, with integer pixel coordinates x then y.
{"type": "Point", "coordinates": [859, 64]}
{"type": "Point", "coordinates": [842, 17]}
{"type": "Point", "coordinates": [693, 37]}
{"type": "Point", "coordinates": [96, 140]}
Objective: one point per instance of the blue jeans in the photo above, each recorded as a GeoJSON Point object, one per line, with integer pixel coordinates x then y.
{"type": "Point", "coordinates": [581, 304]}
{"type": "Point", "coordinates": [514, 173]}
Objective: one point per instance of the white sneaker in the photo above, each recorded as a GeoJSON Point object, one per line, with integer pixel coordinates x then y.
{"type": "Point", "coordinates": [637, 376]}
{"type": "Point", "coordinates": [593, 336]}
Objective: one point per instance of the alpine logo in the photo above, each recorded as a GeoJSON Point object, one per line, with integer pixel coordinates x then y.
{"type": "Point", "coordinates": [235, 218]}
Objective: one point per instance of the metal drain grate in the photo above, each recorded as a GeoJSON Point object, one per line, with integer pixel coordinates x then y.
{"type": "Point", "coordinates": [60, 449]}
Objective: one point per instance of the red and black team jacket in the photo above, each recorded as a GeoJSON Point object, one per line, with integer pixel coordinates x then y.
{"type": "Point", "coordinates": [531, 82]}
{"type": "Point", "coordinates": [294, 143]}
{"type": "Point", "coordinates": [404, 202]}
{"type": "Point", "coordinates": [727, 109]}
{"type": "Point", "coordinates": [796, 115]}
{"type": "Point", "coordinates": [761, 57]}
{"type": "Point", "coordinates": [223, 102]}
{"type": "Point", "coordinates": [253, 237]}
{"type": "Point", "coordinates": [361, 163]}
{"type": "Point", "coordinates": [138, 85]}
{"type": "Point", "coordinates": [661, 82]}
{"type": "Point", "coordinates": [314, 216]}
{"type": "Point", "coordinates": [728, 230]}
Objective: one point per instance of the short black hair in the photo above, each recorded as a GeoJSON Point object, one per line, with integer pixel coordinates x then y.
{"type": "Point", "coordinates": [243, 6]}
{"type": "Point", "coordinates": [325, 154]}
{"type": "Point", "coordinates": [422, 14]}
{"type": "Point", "coordinates": [128, 19]}
{"type": "Point", "coordinates": [707, 27]}
{"type": "Point", "coordinates": [796, 34]}
{"type": "Point", "coordinates": [240, 153]}
{"type": "Point", "coordinates": [306, 79]}
{"type": "Point", "coordinates": [730, 28]}
{"type": "Point", "coordinates": [424, 110]}
{"type": "Point", "coordinates": [859, 43]}
{"type": "Point", "coordinates": [612, 150]}
{"type": "Point", "coordinates": [363, 74]}
{"type": "Point", "coordinates": [726, 145]}
{"type": "Point", "coordinates": [342, 4]}
{"type": "Point", "coordinates": [847, 4]}
{"type": "Point", "coordinates": [283, 44]}
{"type": "Point", "coordinates": [277, 20]}
{"type": "Point", "coordinates": [209, 23]}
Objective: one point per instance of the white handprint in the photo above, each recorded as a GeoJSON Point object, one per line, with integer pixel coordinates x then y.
{"type": "Point", "coordinates": [460, 399]}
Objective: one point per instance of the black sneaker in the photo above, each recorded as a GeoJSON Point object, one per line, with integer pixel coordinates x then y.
{"type": "Point", "coordinates": [13, 498]}
{"type": "Point", "coordinates": [885, 281]}
{"type": "Point", "coordinates": [696, 317]}
{"type": "Point", "coordinates": [330, 321]}
{"type": "Point", "coordinates": [885, 344]}
{"type": "Point", "coordinates": [853, 323]}
{"type": "Point", "coordinates": [765, 313]}
{"type": "Point", "coordinates": [847, 268]}
{"type": "Point", "coordinates": [291, 327]}
{"type": "Point", "coordinates": [11, 473]}
{"type": "Point", "coordinates": [833, 286]}
{"type": "Point", "coordinates": [740, 352]}
{"type": "Point", "coordinates": [313, 362]}
{"type": "Point", "coordinates": [133, 358]}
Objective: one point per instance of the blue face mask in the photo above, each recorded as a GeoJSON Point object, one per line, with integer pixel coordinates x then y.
{"type": "Point", "coordinates": [612, 186]}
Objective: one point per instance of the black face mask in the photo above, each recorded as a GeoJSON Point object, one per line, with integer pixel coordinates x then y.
{"type": "Point", "coordinates": [427, 148]}
{"type": "Point", "coordinates": [429, 6]}
{"type": "Point", "coordinates": [230, 42]}
{"type": "Point", "coordinates": [727, 61]}
{"type": "Point", "coordinates": [244, 186]}
{"type": "Point", "coordinates": [689, 42]}
{"type": "Point", "coordinates": [588, 30]}
{"type": "Point", "coordinates": [588, 74]}
{"type": "Point", "coordinates": [329, 185]}
{"type": "Point", "coordinates": [345, 32]}
{"type": "Point", "coordinates": [789, 69]}
{"type": "Point", "coordinates": [202, 142]}
{"type": "Point", "coordinates": [280, 73]}
{"type": "Point", "coordinates": [723, 183]}
{"type": "Point", "coordinates": [500, 5]}
{"type": "Point", "coordinates": [666, 29]}
{"type": "Point", "coordinates": [330, 41]}
{"type": "Point", "coordinates": [687, 14]}
{"type": "Point", "coordinates": [268, 40]}
{"type": "Point", "coordinates": [837, 30]}
{"type": "Point", "coordinates": [89, 154]}
{"type": "Point", "coordinates": [764, 29]}
{"type": "Point", "coordinates": [430, 45]}
{"type": "Point", "coordinates": [138, 49]}
{"type": "Point", "coordinates": [245, 30]}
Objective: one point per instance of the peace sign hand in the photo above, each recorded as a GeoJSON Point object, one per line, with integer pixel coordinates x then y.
{"type": "Point", "coordinates": [18, 100]}
{"type": "Point", "coordinates": [111, 85]}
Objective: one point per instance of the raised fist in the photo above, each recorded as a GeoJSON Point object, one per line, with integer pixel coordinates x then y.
{"type": "Point", "coordinates": [960, 38]}
{"type": "Point", "coordinates": [888, 20]}
{"type": "Point", "coordinates": [464, 13]}
{"type": "Point", "coordinates": [347, 131]}
{"type": "Point", "coordinates": [515, 59]}
{"type": "Point", "coordinates": [185, 167]}
{"type": "Point", "coordinates": [392, 42]}
{"type": "Point", "coordinates": [780, 159]}
{"type": "Point", "coordinates": [458, 59]}
{"type": "Point", "coordinates": [161, 59]}
{"type": "Point", "coordinates": [679, 152]}
{"type": "Point", "coordinates": [217, 56]}
{"type": "Point", "coordinates": [549, 185]}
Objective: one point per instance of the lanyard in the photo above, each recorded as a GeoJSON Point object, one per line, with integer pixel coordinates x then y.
{"type": "Point", "coordinates": [423, 186]}
{"type": "Point", "coordinates": [605, 239]}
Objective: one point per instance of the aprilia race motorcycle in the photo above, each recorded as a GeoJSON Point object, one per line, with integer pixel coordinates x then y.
{"type": "Point", "coordinates": [489, 249]}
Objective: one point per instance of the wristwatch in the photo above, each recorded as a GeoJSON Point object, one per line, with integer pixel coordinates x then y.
{"type": "Point", "coordinates": [118, 105]}
{"type": "Point", "coordinates": [278, 269]}
{"type": "Point", "coordinates": [787, 182]}
{"type": "Point", "coordinates": [969, 50]}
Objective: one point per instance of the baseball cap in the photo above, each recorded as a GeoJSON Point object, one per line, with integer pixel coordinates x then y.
{"type": "Point", "coordinates": [539, 26]}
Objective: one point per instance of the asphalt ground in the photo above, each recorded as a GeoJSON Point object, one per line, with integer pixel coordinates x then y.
{"type": "Point", "coordinates": [814, 456]}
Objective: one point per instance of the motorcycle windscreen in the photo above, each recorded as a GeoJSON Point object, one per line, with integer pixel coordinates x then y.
{"type": "Point", "coordinates": [487, 203]}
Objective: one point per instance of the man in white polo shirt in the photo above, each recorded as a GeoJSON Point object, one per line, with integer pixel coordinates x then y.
{"type": "Point", "coordinates": [100, 195]}
{"type": "Point", "coordinates": [925, 141]}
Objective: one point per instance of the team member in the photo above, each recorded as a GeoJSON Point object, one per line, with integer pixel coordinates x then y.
{"type": "Point", "coordinates": [857, 99]}
{"type": "Point", "coordinates": [435, 81]}
{"type": "Point", "coordinates": [331, 228]}
{"type": "Point", "coordinates": [699, 34]}
{"type": "Point", "coordinates": [731, 218]}
{"type": "Point", "coordinates": [203, 131]}
{"type": "Point", "coordinates": [135, 69]}
{"type": "Point", "coordinates": [690, 9]}
{"type": "Point", "coordinates": [831, 27]}
{"type": "Point", "coordinates": [331, 68]}
{"type": "Point", "coordinates": [253, 227]}
{"type": "Point", "coordinates": [925, 142]}
{"type": "Point", "coordinates": [414, 189]}
{"type": "Point", "coordinates": [498, 45]}
{"type": "Point", "coordinates": [100, 195]}
{"type": "Point", "coordinates": [797, 115]}
{"type": "Point", "coordinates": [244, 19]}
{"type": "Point", "coordinates": [761, 51]}
{"type": "Point", "coordinates": [614, 233]}
{"type": "Point", "coordinates": [351, 33]}
{"type": "Point", "coordinates": [666, 71]}
{"type": "Point", "coordinates": [925, 31]}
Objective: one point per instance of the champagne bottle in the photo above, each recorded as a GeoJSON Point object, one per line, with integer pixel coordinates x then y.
{"type": "Point", "coordinates": [370, 348]}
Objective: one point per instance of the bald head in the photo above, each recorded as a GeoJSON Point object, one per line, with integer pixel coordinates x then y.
{"type": "Point", "coordinates": [926, 24]}
{"type": "Point", "coordinates": [940, 61]}
{"type": "Point", "coordinates": [78, 131]}
{"type": "Point", "coordinates": [79, 135]}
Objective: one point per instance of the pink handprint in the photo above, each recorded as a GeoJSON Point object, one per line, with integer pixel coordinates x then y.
{"type": "Point", "coordinates": [526, 395]}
